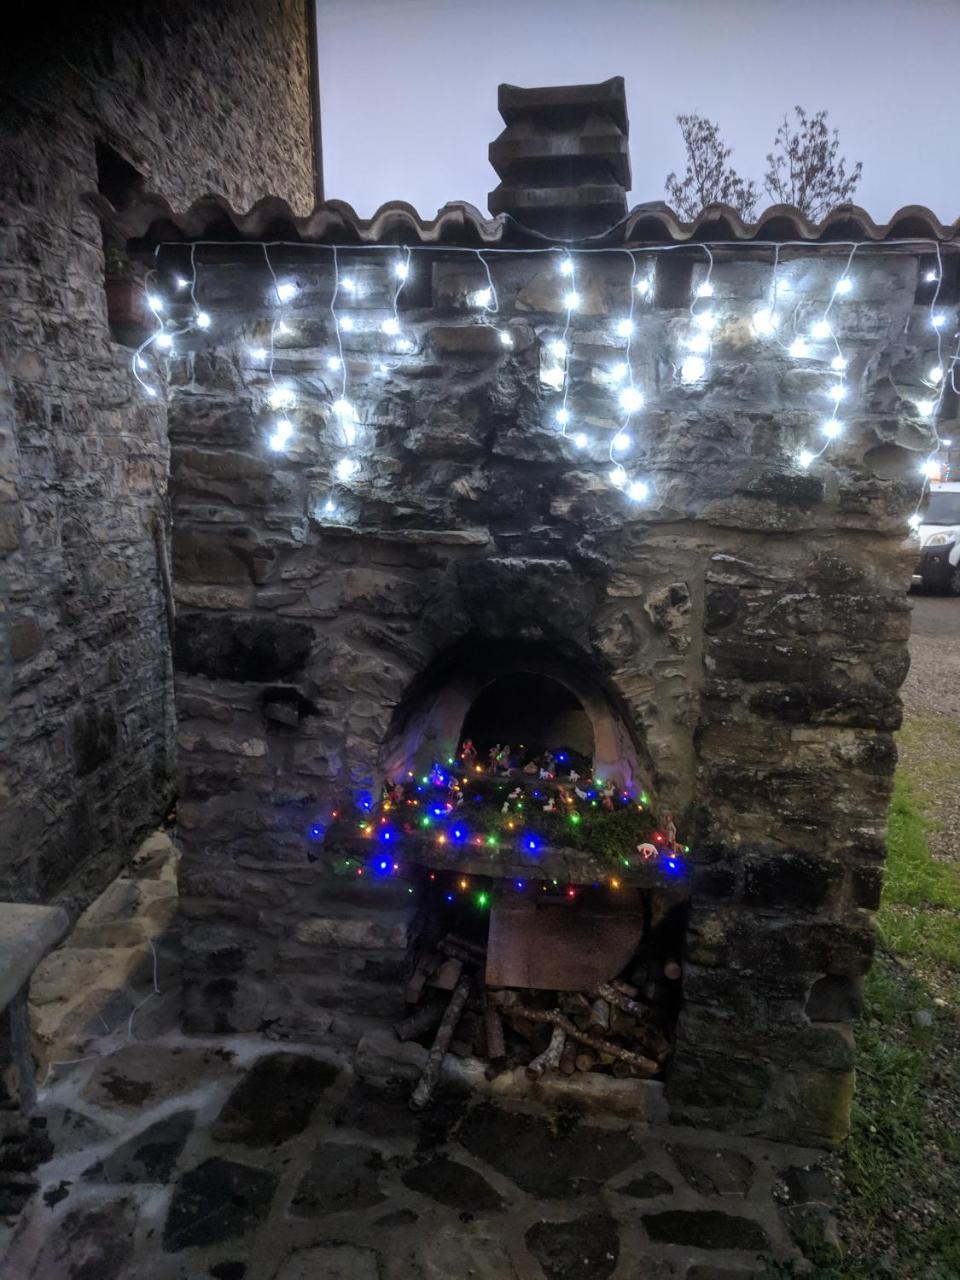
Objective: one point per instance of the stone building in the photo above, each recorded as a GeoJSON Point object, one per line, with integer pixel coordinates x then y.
{"type": "Point", "coordinates": [661, 469]}
{"type": "Point", "coordinates": [112, 98]}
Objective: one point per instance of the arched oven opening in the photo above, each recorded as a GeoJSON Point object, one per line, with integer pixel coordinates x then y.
{"type": "Point", "coordinates": [549, 885]}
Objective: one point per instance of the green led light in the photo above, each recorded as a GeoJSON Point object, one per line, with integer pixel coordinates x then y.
{"type": "Point", "coordinates": [424, 780]}
{"type": "Point", "coordinates": [644, 798]}
{"type": "Point", "coordinates": [483, 899]}
{"type": "Point", "coordinates": [425, 821]}
{"type": "Point", "coordinates": [574, 818]}
{"type": "Point", "coordinates": [491, 839]}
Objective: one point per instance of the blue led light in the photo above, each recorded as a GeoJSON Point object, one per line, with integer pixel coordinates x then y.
{"type": "Point", "coordinates": [458, 833]}
{"type": "Point", "coordinates": [383, 864]}
{"type": "Point", "coordinates": [561, 757]}
{"type": "Point", "coordinates": [519, 884]}
{"type": "Point", "coordinates": [449, 897]}
{"type": "Point", "coordinates": [387, 834]}
{"type": "Point", "coordinates": [531, 843]}
{"type": "Point", "coordinates": [364, 800]}
{"type": "Point", "coordinates": [316, 831]}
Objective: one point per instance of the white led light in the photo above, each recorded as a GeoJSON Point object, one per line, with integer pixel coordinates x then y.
{"type": "Point", "coordinates": [329, 507]}
{"type": "Point", "coordinates": [562, 416]}
{"type": "Point", "coordinates": [935, 374]}
{"type": "Point", "coordinates": [348, 284]}
{"type": "Point", "coordinates": [643, 287]}
{"type": "Point", "coordinates": [706, 320]}
{"type": "Point", "coordinates": [618, 372]}
{"type": "Point", "coordinates": [202, 320]}
{"type": "Point", "coordinates": [281, 434]}
{"type": "Point", "coordinates": [638, 491]}
{"type": "Point", "coordinates": [926, 407]}
{"type": "Point", "coordinates": [837, 392]}
{"type": "Point", "coordinates": [805, 457]}
{"type": "Point", "coordinates": [931, 277]}
{"type": "Point", "coordinates": [571, 300]}
{"type": "Point", "coordinates": [259, 353]}
{"type": "Point", "coordinates": [619, 477]}
{"type": "Point", "coordinates": [281, 398]}
{"type": "Point", "coordinates": [391, 326]}
{"type": "Point", "coordinates": [505, 339]}
{"type": "Point", "coordinates": [346, 467]}
{"type": "Point", "coordinates": [621, 441]}
{"type": "Point", "coordinates": [946, 442]}
{"type": "Point", "coordinates": [483, 298]}
{"type": "Point", "coordinates": [839, 363]}
{"type": "Point", "coordinates": [938, 320]}
{"type": "Point", "coordinates": [624, 328]}
{"type": "Point", "coordinates": [820, 330]}
{"type": "Point", "coordinates": [915, 521]}
{"type": "Point", "coordinates": [154, 302]}
{"type": "Point", "coordinates": [140, 362]}
{"type": "Point", "coordinates": [407, 345]}
{"type": "Point", "coordinates": [287, 290]}
{"type": "Point", "coordinates": [693, 369]}
{"type": "Point", "coordinates": [930, 470]}
{"type": "Point", "coordinates": [799, 347]}
{"type": "Point", "coordinates": [344, 409]}
{"type": "Point", "coordinates": [558, 350]}
{"type": "Point", "coordinates": [699, 342]}
{"type": "Point", "coordinates": [832, 428]}
{"type": "Point", "coordinates": [566, 266]}
{"type": "Point", "coordinates": [182, 283]}
{"type": "Point", "coordinates": [349, 432]}
{"type": "Point", "coordinates": [844, 285]}
{"type": "Point", "coordinates": [552, 376]}
{"type": "Point", "coordinates": [151, 392]}
{"type": "Point", "coordinates": [705, 290]}
{"type": "Point", "coordinates": [631, 399]}
{"type": "Point", "coordinates": [764, 322]}
{"type": "Point", "coordinates": [164, 341]}
{"type": "Point", "coordinates": [580, 440]}
{"type": "Point", "coordinates": [345, 323]}
{"type": "Point", "coordinates": [334, 363]}
{"type": "Point", "coordinates": [283, 327]}
{"type": "Point", "coordinates": [401, 269]}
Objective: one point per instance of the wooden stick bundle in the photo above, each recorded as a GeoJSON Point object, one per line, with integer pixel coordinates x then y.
{"type": "Point", "coordinates": [441, 1042]}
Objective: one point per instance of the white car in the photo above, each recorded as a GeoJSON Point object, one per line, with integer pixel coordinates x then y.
{"type": "Point", "coordinates": [938, 568]}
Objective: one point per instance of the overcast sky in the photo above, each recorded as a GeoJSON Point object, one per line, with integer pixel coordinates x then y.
{"type": "Point", "coordinates": [409, 87]}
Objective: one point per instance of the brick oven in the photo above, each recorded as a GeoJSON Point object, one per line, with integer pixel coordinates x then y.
{"type": "Point", "coordinates": [540, 615]}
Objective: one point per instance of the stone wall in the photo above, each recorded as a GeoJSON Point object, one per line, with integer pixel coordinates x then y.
{"type": "Point", "coordinates": [750, 620]}
{"type": "Point", "coordinates": [193, 98]}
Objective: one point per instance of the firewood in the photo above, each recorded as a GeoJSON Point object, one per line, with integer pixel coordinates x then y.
{"type": "Point", "coordinates": [672, 971]}
{"type": "Point", "coordinates": [448, 1024]}
{"type": "Point", "coordinates": [550, 1058]}
{"type": "Point", "coordinates": [456, 940]}
{"type": "Point", "coordinates": [568, 1059]}
{"type": "Point", "coordinates": [599, 1015]}
{"type": "Point", "coordinates": [622, 1070]}
{"type": "Point", "coordinates": [621, 1001]}
{"type": "Point", "coordinates": [455, 952]}
{"type": "Point", "coordinates": [644, 1066]}
{"type": "Point", "coordinates": [447, 975]}
{"type": "Point", "coordinates": [626, 988]}
{"type": "Point", "coordinates": [427, 964]}
{"type": "Point", "coordinates": [585, 1061]}
{"type": "Point", "coordinates": [493, 1023]}
{"type": "Point", "coordinates": [423, 1019]}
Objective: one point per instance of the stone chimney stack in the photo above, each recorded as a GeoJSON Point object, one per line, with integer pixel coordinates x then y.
{"type": "Point", "coordinates": [563, 159]}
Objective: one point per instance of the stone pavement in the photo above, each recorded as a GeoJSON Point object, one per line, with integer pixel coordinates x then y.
{"type": "Point", "coordinates": [247, 1158]}
{"type": "Point", "coordinates": [240, 1159]}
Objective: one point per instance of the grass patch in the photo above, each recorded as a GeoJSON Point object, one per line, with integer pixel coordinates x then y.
{"type": "Point", "coordinates": [901, 1165]}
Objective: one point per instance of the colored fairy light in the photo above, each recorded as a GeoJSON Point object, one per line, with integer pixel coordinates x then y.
{"type": "Point", "coordinates": [821, 329]}
{"type": "Point", "coordinates": [287, 290]}
{"type": "Point", "coordinates": [638, 491]}
{"type": "Point", "coordinates": [832, 428]}
{"type": "Point", "coordinates": [692, 369]}
{"type": "Point", "coordinates": [202, 320]}
{"type": "Point", "coordinates": [614, 883]}
{"type": "Point", "coordinates": [624, 328]}
{"type": "Point", "coordinates": [519, 884]}
{"type": "Point", "coordinates": [571, 892]}
{"type": "Point", "coordinates": [631, 399]}
{"type": "Point", "coordinates": [531, 843]}
{"type": "Point", "coordinates": [799, 347]}
{"type": "Point", "coordinates": [316, 831]}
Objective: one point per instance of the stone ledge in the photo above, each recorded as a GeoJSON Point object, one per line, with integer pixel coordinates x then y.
{"type": "Point", "coordinates": [27, 933]}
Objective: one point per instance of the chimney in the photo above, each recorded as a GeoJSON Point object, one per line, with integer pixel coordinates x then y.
{"type": "Point", "coordinates": [563, 158]}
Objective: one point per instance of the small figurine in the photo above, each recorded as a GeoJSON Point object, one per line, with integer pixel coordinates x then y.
{"type": "Point", "coordinates": [581, 794]}
{"type": "Point", "coordinates": [550, 806]}
{"type": "Point", "coordinates": [565, 800]}
{"type": "Point", "coordinates": [468, 752]}
{"type": "Point", "coordinates": [609, 791]}
{"type": "Point", "coordinates": [647, 851]}
{"type": "Point", "coordinates": [545, 774]}
{"type": "Point", "coordinates": [503, 759]}
{"type": "Point", "coordinates": [574, 776]}
{"type": "Point", "coordinates": [493, 753]}
{"type": "Point", "coordinates": [670, 830]}
{"type": "Point", "coordinates": [530, 768]}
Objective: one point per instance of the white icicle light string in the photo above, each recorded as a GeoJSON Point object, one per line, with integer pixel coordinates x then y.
{"type": "Point", "coordinates": [694, 368]}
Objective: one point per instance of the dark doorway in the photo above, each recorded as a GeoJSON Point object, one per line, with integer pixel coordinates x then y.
{"type": "Point", "coordinates": [531, 713]}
